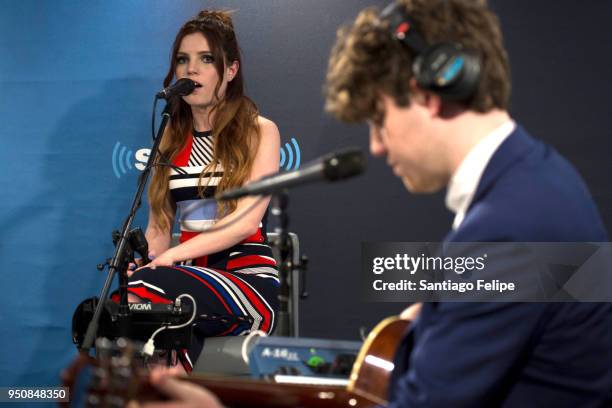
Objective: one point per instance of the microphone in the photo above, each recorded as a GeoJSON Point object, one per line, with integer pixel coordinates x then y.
{"type": "Point", "coordinates": [332, 167]}
{"type": "Point", "coordinates": [182, 87]}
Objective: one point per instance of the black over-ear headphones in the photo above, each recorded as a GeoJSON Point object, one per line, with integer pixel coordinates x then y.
{"type": "Point", "coordinates": [447, 69]}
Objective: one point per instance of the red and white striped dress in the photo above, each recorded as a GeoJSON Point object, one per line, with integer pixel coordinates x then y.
{"type": "Point", "coordinates": [235, 289]}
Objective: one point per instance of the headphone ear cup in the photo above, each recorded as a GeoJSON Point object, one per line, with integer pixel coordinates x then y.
{"type": "Point", "coordinates": [447, 70]}
{"type": "Point", "coordinates": [430, 62]}
{"type": "Point", "coordinates": [422, 75]}
{"type": "Point", "coordinates": [467, 85]}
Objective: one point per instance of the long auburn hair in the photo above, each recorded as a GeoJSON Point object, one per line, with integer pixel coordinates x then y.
{"type": "Point", "coordinates": [235, 129]}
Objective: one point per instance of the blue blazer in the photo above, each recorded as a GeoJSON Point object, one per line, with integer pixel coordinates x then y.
{"type": "Point", "coordinates": [514, 354]}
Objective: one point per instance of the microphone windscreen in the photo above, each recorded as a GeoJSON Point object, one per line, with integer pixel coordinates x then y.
{"type": "Point", "coordinates": [184, 86]}
{"type": "Point", "coordinates": [344, 164]}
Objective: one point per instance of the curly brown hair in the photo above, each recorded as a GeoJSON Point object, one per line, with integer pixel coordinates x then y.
{"type": "Point", "coordinates": [366, 61]}
{"type": "Point", "coordinates": [235, 125]}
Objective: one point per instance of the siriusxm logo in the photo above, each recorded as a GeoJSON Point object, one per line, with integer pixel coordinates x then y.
{"type": "Point", "coordinates": [124, 159]}
{"type": "Point", "coordinates": [292, 151]}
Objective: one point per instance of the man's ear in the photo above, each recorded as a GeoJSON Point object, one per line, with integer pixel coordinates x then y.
{"type": "Point", "coordinates": [231, 71]}
{"type": "Point", "coordinates": [428, 99]}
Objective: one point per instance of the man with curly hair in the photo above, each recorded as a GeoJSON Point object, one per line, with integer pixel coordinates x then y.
{"type": "Point", "coordinates": [432, 80]}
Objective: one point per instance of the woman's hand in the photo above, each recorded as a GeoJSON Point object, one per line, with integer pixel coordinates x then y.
{"type": "Point", "coordinates": [137, 264]}
{"type": "Point", "coordinates": [165, 259]}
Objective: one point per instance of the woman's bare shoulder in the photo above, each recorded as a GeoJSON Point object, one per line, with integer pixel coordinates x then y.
{"type": "Point", "coordinates": [266, 125]}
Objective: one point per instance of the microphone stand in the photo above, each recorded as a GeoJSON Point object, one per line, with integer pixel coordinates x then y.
{"type": "Point", "coordinates": [121, 257]}
{"type": "Point", "coordinates": [280, 202]}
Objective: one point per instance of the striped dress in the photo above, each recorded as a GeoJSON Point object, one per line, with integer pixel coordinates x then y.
{"type": "Point", "coordinates": [235, 289]}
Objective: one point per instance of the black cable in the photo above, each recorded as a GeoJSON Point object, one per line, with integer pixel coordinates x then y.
{"type": "Point", "coordinates": [153, 117]}
{"type": "Point", "coordinates": [172, 166]}
{"type": "Point", "coordinates": [162, 158]}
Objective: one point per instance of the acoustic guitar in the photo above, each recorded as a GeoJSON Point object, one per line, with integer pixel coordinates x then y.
{"type": "Point", "coordinates": [113, 379]}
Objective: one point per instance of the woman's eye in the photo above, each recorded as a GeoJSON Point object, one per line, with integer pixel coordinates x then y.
{"type": "Point", "coordinates": [208, 59]}
{"type": "Point", "coordinates": [181, 60]}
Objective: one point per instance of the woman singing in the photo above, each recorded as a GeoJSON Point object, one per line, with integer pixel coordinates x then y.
{"type": "Point", "coordinates": [215, 141]}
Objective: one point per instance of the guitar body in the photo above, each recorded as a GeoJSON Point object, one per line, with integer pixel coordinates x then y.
{"type": "Point", "coordinates": [112, 381]}
{"type": "Point", "coordinates": [372, 370]}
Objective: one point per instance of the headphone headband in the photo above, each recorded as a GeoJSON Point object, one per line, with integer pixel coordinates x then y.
{"type": "Point", "coordinates": [446, 69]}
{"type": "Point", "coordinates": [402, 27]}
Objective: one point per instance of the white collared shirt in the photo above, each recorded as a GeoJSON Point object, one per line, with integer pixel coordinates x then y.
{"type": "Point", "coordinates": [464, 182]}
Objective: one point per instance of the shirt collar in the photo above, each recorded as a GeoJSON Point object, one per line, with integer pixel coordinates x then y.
{"type": "Point", "coordinates": [464, 182]}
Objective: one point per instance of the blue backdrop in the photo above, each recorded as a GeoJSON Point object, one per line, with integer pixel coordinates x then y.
{"type": "Point", "coordinates": [77, 82]}
{"type": "Point", "coordinates": [76, 86]}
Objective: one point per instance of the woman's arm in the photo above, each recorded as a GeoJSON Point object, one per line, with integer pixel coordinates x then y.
{"type": "Point", "coordinates": [159, 239]}
{"type": "Point", "coordinates": [266, 162]}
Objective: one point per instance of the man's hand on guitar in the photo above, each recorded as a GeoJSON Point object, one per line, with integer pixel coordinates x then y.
{"type": "Point", "coordinates": [411, 312]}
{"type": "Point", "coordinates": [182, 394]}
